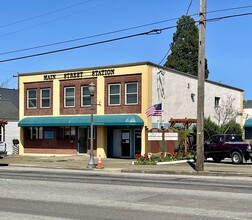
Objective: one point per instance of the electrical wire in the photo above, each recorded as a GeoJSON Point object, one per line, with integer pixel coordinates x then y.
{"type": "Point", "coordinates": [166, 54]}
{"type": "Point", "coordinates": [44, 14]}
{"type": "Point", "coordinates": [190, 4]}
{"type": "Point", "coordinates": [157, 31]}
{"type": "Point", "coordinates": [116, 31]}
{"type": "Point", "coordinates": [154, 31]}
{"type": "Point", "coordinates": [88, 37]}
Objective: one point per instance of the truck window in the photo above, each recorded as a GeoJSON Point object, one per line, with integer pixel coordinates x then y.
{"type": "Point", "coordinates": [233, 138]}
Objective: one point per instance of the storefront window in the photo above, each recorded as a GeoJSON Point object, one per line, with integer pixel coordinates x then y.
{"type": "Point", "coordinates": [114, 94]}
{"type": "Point", "coordinates": [45, 98]}
{"type": "Point", "coordinates": [66, 133]}
{"type": "Point", "coordinates": [69, 97]}
{"type": "Point", "coordinates": [31, 98]}
{"type": "Point", "coordinates": [35, 133]}
{"type": "Point", "coordinates": [131, 93]}
{"type": "Point", "coordinates": [85, 96]}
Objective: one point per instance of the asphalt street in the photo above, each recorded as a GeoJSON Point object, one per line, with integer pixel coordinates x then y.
{"type": "Point", "coordinates": [42, 193]}
{"type": "Point", "coordinates": [79, 162]}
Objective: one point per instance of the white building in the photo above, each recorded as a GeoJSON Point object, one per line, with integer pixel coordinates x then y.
{"type": "Point", "coordinates": [178, 93]}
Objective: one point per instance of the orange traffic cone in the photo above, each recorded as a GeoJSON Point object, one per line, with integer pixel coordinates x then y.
{"type": "Point", "coordinates": [99, 165]}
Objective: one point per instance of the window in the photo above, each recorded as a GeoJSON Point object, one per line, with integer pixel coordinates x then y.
{"type": "Point", "coordinates": [217, 101]}
{"type": "Point", "coordinates": [131, 93]}
{"type": "Point", "coordinates": [114, 94]}
{"type": "Point", "coordinates": [35, 133]}
{"type": "Point", "coordinates": [69, 94]}
{"type": "Point", "coordinates": [1, 134]}
{"type": "Point", "coordinates": [45, 100]}
{"type": "Point", "coordinates": [66, 133]}
{"type": "Point", "coordinates": [31, 98]}
{"type": "Point", "coordinates": [85, 96]}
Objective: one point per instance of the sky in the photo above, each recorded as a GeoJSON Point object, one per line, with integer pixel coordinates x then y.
{"type": "Point", "coordinates": [27, 24]}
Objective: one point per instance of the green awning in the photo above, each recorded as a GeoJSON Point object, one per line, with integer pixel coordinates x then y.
{"type": "Point", "coordinates": [248, 123]}
{"type": "Point", "coordinates": [99, 120]}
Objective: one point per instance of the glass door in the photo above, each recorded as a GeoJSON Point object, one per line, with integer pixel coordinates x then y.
{"type": "Point", "coordinates": [82, 140]}
{"type": "Point", "coordinates": [138, 142]}
{"type": "Point", "coordinates": [125, 140]}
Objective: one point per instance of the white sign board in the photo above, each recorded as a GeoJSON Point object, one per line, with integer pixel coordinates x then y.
{"type": "Point", "coordinates": [157, 136]}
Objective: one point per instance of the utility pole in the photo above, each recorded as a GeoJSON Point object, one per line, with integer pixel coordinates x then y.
{"type": "Point", "coordinates": [201, 88]}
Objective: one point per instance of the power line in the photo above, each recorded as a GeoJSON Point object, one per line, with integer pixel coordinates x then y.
{"type": "Point", "coordinates": [166, 54]}
{"type": "Point", "coordinates": [44, 14]}
{"type": "Point", "coordinates": [154, 31]}
{"type": "Point", "coordinates": [88, 37]}
{"type": "Point", "coordinates": [189, 6]}
{"type": "Point", "coordinates": [116, 31]}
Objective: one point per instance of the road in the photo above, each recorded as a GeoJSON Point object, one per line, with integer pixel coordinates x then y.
{"type": "Point", "coordinates": [33, 193]}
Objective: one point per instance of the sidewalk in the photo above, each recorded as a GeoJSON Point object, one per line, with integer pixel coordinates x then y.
{"type": "Point", "coordinates": [79, 162]}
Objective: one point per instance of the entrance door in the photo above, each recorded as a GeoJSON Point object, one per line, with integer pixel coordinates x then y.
{"type": "Point", "coordinates": [82, 142]}
{"type": "Point", "coordinates": [138, 145]}
{"type": "Point", "coordinates": [125, 143]}
{"type": "Point", "coordinates": [117, 143]}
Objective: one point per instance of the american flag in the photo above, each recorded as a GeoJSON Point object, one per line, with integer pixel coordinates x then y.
{"type": "Point", "coordinates": [155, 110]}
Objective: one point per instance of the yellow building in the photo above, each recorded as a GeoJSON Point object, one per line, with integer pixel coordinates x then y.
{"type": "Point", "coordinates": [55, 107]}
{"type": "Point", "coordinates": [55, 111]}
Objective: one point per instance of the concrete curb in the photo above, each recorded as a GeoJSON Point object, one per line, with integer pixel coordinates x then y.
{"type": "Point", "coordinates": [174, 162]}
{"type": "Point", "coordinates": [170, 162]}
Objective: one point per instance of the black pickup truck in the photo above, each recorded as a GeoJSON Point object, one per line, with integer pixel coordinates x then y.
{"type": "Point", "coordinates": [222, 146]}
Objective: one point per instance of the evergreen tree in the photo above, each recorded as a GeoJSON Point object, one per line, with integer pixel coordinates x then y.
{"type": "Point", "coordinates": [185, 48]}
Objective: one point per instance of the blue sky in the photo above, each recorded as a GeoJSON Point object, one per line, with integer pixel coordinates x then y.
{"type": "Point", "coordinates": [30, 23]}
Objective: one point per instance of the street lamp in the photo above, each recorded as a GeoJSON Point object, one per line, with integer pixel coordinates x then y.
{"type": "Point", "coordinates": [91, 163]}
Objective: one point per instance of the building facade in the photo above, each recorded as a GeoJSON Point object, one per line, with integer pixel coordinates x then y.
{"type": "Point", "coordinates": [9, 106]}
{"type": "Point", "coordinates": [55, 111]}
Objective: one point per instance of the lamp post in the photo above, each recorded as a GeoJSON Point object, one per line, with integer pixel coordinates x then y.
{"type": "Point", "coordinates": [91, 163]}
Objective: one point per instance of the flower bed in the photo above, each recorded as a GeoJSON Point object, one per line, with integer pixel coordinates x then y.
{"type": "Point", "coordinates": [152, 159]}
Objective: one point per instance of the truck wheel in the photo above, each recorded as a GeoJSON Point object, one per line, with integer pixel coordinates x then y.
{"type": "Point", "coordinates": [236, 158]}
{"type": "Point", "coordinates": [217, 159]}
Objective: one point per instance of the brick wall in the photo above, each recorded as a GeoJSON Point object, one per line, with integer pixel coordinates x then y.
{"type": "Point", "coordinates": [38, 110]}
{"type": "Point", "coordinates": [123, 80]}
{"type": "Point", "coordinates": [77, 84]}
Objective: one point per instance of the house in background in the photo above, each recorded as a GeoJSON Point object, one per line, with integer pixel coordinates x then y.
{"type": "Point", "coordinates": [55, 107]}
{"type": "Point", "coordinates": [9, 108]}
{"type": "Point", "coordinates": [247, 119]}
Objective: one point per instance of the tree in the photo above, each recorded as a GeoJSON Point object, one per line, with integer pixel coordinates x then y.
{"type": "Point", "coordinates": [232, 127]}
{"type": "Point", "coordinates": [225, 112]}
{"type": "Point", "coordinates": [185, 47]}
{"type": "Point", "coordinates": [210, 128]}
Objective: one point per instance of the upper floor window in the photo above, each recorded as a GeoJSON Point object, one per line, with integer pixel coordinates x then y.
{"type": "Point", "coordinates": [131, 93]}
{"type": "Point", "coordinates": [69, 97]}
{"type": "Point", "coordinates": [85, 96]}
{"type": "Point", "coordinates": [114, 94]}
{"type": "Point", "coordinates": [217, 101]}
{"type": "Point", "coordinates": [45, 99]}
{"type": "Point", "coordinates": [31, 98]}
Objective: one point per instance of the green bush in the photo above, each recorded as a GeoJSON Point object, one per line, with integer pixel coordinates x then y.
{"type": "Point", "coordinates": [153, 159]}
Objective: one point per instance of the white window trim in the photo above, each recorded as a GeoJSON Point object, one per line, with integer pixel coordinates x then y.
{"type": "Point", "coordinates": [126, 101]}
{"type": "Point", "coordinates": [82, 96]}
{"type": "Point", "coordinates": [27, 95]}
{"type": "Point", "coordinates": [65, 88]}
{"type": "Point", "coordinates": [41, 98]}
{"type": "Point", "coordinates": [115, 84]}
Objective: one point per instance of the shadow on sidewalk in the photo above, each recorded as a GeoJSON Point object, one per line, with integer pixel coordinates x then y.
{"type": "Point", "coordinates": [192, 165]}
{"type": "Point", "coordinates": [4, 164]}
